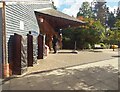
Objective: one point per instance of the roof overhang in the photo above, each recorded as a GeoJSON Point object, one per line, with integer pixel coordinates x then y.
{"type": "Point", "coordinates": [57, 19]}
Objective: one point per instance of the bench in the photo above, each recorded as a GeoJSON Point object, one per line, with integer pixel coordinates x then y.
{"type": "Point", "coordinates": [97, 46]}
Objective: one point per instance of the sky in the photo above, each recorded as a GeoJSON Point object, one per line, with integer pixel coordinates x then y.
{"type": "Point", "coordinates": [71, 7]}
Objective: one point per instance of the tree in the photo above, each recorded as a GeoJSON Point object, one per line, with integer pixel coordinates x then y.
{"type": "Point", "coordinates": [85, 10]}
{"type": "Point", "coordinates": [111, 20]}
{"type": "Point", "coordinates": [117, 28]}
{"type": "Point", "coordinates": [118, 13]}
{"type": "Point", "coordinates": [85, 36]}
{"type": "Point", "coordinates": [117, 25]}
{"type": "Point", "coordinates": [113, 36]}
{"type": "Point", "coordinates": [100, 11]}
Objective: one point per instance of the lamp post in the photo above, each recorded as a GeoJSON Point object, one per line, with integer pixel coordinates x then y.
{"type": "Point", "coordinates": [75, 45]}
{"type": "Point", "coordinates": [60, 38]}
{"type": "Point", "coordinates": [75, 48]}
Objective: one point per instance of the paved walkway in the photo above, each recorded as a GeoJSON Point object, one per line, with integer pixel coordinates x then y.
{"type": "Point", "coordinates": [65, 58]}
{"type": "Point", "coordinates": [99, 74]}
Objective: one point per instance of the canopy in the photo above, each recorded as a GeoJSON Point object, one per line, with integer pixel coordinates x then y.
{"type": "Point", "coordinates": [57, 19]}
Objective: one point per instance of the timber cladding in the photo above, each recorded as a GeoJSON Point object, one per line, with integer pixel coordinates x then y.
{"type": "Point", "coordinates": [20, 18]}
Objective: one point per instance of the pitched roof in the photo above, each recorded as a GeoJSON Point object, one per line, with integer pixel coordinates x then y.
{"type": "Point", "coordinates": [58, 19]}
{"type": "Point", "coordinates": [56, 13]}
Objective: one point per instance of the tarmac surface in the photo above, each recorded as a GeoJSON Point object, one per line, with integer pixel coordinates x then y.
{"type": "Point", "coordinates": [87, 70]}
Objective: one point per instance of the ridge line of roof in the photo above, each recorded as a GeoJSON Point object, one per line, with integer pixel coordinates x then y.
{"type": "Point", "coordinates": [43, 9]}
{"type": "Point", "coordinates": [75, 19]}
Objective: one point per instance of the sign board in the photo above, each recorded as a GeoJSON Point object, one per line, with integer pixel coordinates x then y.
{"type": "Point", "coordinates": [1, 5]}
{"type": "Point", "coordinates": [21, 25]}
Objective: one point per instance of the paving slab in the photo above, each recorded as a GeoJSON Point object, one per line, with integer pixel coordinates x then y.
{"type": "Point", "coordinates": [65, 59]}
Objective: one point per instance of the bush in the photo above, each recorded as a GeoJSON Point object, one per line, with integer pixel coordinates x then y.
{"type": "Point", "coordinates": [102, 45]}
{"type": "Point", "coordinates": [67, 43]}
{"type": "Point", "coordinates": [87, 46]}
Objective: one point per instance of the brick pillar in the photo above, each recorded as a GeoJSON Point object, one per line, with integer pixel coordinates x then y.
{"type": "Point", "coordinates": [7, 70]}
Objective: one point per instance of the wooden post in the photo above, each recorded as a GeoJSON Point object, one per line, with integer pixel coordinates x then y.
{"type": "Point", "coordinates": [5, 67]}
{"type": "Point", "coordinates": [40, 47]}
{"type": "Point", "coordinates": [30, 50]}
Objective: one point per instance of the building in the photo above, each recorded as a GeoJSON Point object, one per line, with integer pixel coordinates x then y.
{"type": "Point", "coordinates": [22, 29]}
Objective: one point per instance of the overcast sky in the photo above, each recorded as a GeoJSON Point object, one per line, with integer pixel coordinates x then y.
{"type": "Point", "coordinates": [71, 7]}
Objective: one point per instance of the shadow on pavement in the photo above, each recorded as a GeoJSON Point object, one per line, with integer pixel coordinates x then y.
{"type": "Point", "coordinates": [93, 78]}
{"type": "Point", "coordinates": [67, 52]}
{"type": "Point", "coordinates": [116, 56]}
{"type": "Point", "coordinates": [74, 78]}
{"type": "Point", "coordinates": [63, 67]}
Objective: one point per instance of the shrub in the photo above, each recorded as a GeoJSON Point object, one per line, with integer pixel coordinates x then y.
{"type": "Point", "coordinates": [102, 45]}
